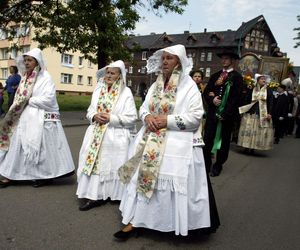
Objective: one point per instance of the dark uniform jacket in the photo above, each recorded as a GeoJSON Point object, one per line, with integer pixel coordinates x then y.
{"type": "Point", "coordinates": [234, 99]}
{"type": "Point", "coordinates": [281, 106]}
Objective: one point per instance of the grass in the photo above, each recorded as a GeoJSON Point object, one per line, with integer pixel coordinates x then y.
{"type": "Point", "coordinates": [81, 103]}
{"type": "Point", "coordinates": [74, 102]}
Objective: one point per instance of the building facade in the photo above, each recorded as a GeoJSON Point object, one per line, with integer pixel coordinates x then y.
{"type": "Point", "coordinates": [71, 72]}
{"type": "Point", "coordinates": [251, 38]}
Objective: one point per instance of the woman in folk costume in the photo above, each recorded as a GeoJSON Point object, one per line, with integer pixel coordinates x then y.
{"type": "Point", "coordinates": [256, 129]}
{"type": "Point", "coordinates": [112, 113]}
{"type": "Point", "coordinates": [166, 180]}
{"type": "Point", "coordinates": [33, 145]}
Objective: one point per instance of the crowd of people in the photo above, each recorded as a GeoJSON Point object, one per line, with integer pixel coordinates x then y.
{"type": "Point", "coordinates": [165, 169]}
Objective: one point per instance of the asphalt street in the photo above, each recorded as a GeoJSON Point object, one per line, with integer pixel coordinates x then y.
{"type": "Point", "coordinates": [257, 196]}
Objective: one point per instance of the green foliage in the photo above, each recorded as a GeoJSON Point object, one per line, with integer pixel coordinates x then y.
{"type": "Point", "coordinates": [96, 28]}
{"type": "Point", "coordinates": [298, 35]}
{"type": "Point", "coordinates": [73, 102]}
{"type": "Point", "coordinates": [81, 102]}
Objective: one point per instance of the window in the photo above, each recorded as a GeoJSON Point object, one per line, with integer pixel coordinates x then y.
{"type": "Point", "coordinates": [3, 34]}
{"type": "Point", "coordinates": [66, 78]}
{"type": "Point", "coordinates": [129, 83]}
{"type": "Point", "coordinates": [4, 53]}
{"type": "Point", "coordinates": [22, 31]}
{"type": "Point", "coordinates": [202, 69]}
{"type": "Point", "coordinates": [90, 81]}
{"type": "Point", "coordinates": [202, 58]}
{"type": "Point", "coordinates": [13, 53]}
{"type": "Point", "coordinates": [25, 49]}
{"type": "Point", "coordinates": [80, 61]}
{"type": "Point", "coordinates": [257, 40]}
{"type": "Point", "coordinates": [209, 56]}
{"type": "Point", "coordinates": [66, 59]}
{"type": "Point", "coordinates": [4, 72]}
{"type": "Point", "coordinates": [207, 72]}
{"type": "Point", "coordinates": [130, 70]}
{"type": "Point", "coordinates": [89, 64]}
{"type": "Point", "coordinates": [143, 70]}
{"type": "Point", "coordinates": [79, 79]}
{"type": "Point", "coordinates": [144, 55]}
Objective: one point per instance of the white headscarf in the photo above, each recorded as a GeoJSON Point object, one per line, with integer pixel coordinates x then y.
{"type": "Point", "coordinates": [256, 76]}
{"type": "Point", "coordinates": [117, 64]}
{"type": "Point", "coordinates": [154, 62]}
{"type": "Point", "coordinates": [35, 53]}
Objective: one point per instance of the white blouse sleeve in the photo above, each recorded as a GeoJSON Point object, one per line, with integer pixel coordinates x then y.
{"type": "Point", "coordinates": [128, 116]}
{"type": "Point", "coordinates": [190, 119]}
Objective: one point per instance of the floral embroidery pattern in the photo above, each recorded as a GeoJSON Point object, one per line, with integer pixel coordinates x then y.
{"type": "Point", "coordinates": [179, 122]}
{"type": "Point", "coordinates": [51, 116]}
{"type": "Point", "coordinates": [11, 119]}
{"type": "Point", "coordinates": [150, 150]}
{"type": "Point", "coordinates": [106, 102]}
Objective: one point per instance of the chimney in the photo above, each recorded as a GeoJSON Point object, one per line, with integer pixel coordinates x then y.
{"type": "Point", "coordinates": [205, 30]}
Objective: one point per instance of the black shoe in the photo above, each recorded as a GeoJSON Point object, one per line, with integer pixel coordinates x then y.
{"type": "Point", "coordinates": [216, 170]}
{"type": "Point", "coordinates": [246, 151]}
{"type": "Point", "coordinates": [40, 183]}
{"type": "Point", "coordinates": [4, 184]}
{"type": "Point", "coordinates": [121, 235]}
{"type": "Point", "coordinates": [115, 202]}
{"type": "Point", "coordinates": [91, 204]}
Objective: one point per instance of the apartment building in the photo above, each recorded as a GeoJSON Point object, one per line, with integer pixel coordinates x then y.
{"type": "Point", "coordinates": [253, 40]}
{"type": "Point", "coordinates": [71, 72]}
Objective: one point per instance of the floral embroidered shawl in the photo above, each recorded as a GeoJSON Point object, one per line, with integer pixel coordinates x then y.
{"type": "Point", "coordinates": [106, 103]}
{"type": "Point", "coordinates": [259, 95]}
{"type": "Point", "coordinates": [150, 150]}
{"type": "Point", "coordinates": [11, 119]}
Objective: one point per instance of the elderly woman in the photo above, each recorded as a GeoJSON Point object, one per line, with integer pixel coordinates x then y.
{"type": "Point", "coordinates": [33, 145]}
{"type": "Point", "coordinates": [256, 129]}
{"type": "Point", "coordinates": [112, 113]}
{"type": "Point", "coordinates": [166, 179]}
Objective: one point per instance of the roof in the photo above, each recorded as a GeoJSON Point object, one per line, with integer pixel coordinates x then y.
{"type": "Point", "coordinates": [190, 40]}
{"type": "Point", "coordinates": [246, 27]}
{"type": "Point", "coordinates": [229, 38]}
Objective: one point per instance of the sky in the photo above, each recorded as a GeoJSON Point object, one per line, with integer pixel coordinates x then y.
{"type": "Point", "coordinates": [221, 15]}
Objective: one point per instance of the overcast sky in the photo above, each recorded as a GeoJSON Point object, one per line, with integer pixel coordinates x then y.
{"type": "Point", "coordinates": [220, 15]}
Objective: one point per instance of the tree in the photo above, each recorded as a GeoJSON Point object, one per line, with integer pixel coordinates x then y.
{"type": "Point", "coordinates": [96, 28]}
{"type": "Point", "coordinates": [298, 35]}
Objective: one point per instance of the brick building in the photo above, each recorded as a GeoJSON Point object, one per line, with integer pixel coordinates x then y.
{"type": "Point", "coordinates": [253, 37]}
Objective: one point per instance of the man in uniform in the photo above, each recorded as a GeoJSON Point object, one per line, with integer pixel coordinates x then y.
{"type": "Point", "coordinates": [223, 97]}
